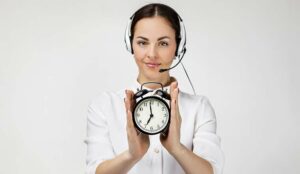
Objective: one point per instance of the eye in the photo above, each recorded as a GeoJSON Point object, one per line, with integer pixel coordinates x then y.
{"type": "Point", "coordinates": [163, 43]}
{"type": "Point", "coordinates": [141, 43]}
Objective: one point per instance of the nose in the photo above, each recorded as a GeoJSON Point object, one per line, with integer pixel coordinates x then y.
{"type": "Point", "coordinates": [152, 52]}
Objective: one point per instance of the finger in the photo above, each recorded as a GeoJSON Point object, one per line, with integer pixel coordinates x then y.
{"type": "Point", "coordinates": [131, 99]}
{"type": "Point", "coordinates": [172, 87]}
{"type": "Point", "coordinates": [130, 124]}
{"type": "Point", "coordinates": [177, 101]}
{"type": "Point", "coordinates": [176, 93]}
{"type": "Point", "coordinates": [130, 94]}
{"type": "Point", "coordinates": [173, 92]}
{"type": "Point", "coordinates": [174, 84]}
{"type": "Point", "coordinates": [144, 136]}
{"type": "Point", "coordinates": [177, 105]}
{"type": "Point", "coordinates": [174, 98]}
{"type": "Point", "coordinates": [126, 99]}
{"type": "Point", "coordinates": [174, 106]}
{"type": "Point", "coordinates": [173, 111]}
{"type": "Point", "coordinates": [128, 110]}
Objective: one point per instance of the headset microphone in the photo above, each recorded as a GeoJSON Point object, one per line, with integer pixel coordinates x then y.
{"type": "Point", "coordinates": [181, 57]}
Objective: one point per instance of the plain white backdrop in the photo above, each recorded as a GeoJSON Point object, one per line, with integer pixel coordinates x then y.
{"type": "Point", "coordinates": [55, 56]}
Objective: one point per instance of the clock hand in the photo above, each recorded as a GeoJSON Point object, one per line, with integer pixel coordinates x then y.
{"type": "Point", "coordinates": [148, 121]}
{"type": "Point", "coordinates": [151, 115]}
{"type": "Point", "coordinates": [150, 109]}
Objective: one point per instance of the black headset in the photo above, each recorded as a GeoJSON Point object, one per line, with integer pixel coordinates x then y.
{"type": "Point", "coordinates": [181, 48]}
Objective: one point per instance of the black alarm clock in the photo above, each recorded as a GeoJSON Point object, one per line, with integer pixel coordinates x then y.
{"type": "Point", "coordinates": [151, 114]}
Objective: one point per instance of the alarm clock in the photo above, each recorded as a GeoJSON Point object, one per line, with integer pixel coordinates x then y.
{"type": "Point", "coordinates": [151, 114]}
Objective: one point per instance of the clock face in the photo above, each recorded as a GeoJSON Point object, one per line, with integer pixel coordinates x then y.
{"type": "Point", "coordinates": [151, 115]}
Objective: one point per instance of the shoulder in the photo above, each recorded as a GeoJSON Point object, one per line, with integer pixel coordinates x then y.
{"type": "Point", "coordinates": [197, 104]}
{"type": "Point", "coordinates": [198, 100]}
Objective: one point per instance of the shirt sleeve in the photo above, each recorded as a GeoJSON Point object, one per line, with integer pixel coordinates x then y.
{"type": "Point", "coordinates": [206, 143]}
{"type": "Point", "coordinates": [99, 146]}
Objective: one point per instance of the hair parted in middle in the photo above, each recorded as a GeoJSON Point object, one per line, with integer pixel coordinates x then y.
{"type": "Point", "coordinates": [157, 9]}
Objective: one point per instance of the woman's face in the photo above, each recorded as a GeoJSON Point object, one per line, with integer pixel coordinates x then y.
{"type": "Point", "coordinates": [154, 47]}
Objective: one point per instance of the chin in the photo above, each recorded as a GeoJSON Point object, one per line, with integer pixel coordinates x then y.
{"type": "Point", "coordinates": [152, 74]}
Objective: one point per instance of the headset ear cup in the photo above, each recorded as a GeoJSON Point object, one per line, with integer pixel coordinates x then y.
{"type": "Point", "coordinates": [178, 41]}
{"type": "Point", "coordinates": [181, 46]}
{"type": "Point", "coordinates": [128, 37]}
{"type": "Point", "coordinates": [131, 48]}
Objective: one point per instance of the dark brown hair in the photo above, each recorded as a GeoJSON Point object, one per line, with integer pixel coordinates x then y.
{"type": "Point", "coordinates": [157, 9]}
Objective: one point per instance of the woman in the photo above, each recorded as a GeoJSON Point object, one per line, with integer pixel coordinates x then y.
{"type": "Point", "coordinates": [113, 143]}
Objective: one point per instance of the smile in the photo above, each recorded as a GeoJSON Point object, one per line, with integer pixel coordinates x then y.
{"type": "Point", "coordinates": [152, 65]}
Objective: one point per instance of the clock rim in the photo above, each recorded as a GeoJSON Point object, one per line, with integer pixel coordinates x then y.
{"type": "Point", "coordinates": [154, 97]}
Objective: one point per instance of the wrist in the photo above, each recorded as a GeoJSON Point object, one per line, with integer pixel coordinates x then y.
{"type": "Point", "coordinates": [178, 150]}
{"type": "Point", "coordinates": [130, 158]}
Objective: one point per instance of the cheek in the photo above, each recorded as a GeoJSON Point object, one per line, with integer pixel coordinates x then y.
{"type": "Point", "coordinates": [138, 57]}
{"type": "Point", "coordinates": [168, 55]}
{"type": "Point", "coordinates": [138, 54]}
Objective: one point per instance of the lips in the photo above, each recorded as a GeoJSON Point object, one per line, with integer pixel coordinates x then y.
{"type": "Point", "coordinates": [152, 65]}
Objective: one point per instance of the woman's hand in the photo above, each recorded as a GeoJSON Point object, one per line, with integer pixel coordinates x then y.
{"type": "Point", "coordinates": [138, 142]}
{"type": "Point", "coordinates": [171, 141]}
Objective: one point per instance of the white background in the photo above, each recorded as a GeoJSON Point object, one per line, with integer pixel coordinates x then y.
{"type": "Point", "coordinates": [55, 56]}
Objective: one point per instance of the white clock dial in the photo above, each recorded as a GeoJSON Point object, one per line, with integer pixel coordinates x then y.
{"type": "Point", "coordinates": [151, 115]}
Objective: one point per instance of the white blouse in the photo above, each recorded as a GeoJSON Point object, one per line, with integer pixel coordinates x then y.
{"type": "Point", "coordinates": [107, 137]}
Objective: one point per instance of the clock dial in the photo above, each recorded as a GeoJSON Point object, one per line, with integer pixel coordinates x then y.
{"type": "Point", "coordinates": [151, 115]}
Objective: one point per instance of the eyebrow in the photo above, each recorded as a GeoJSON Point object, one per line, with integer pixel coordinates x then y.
{"type": "Point", "coordinates": [163, 37]}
